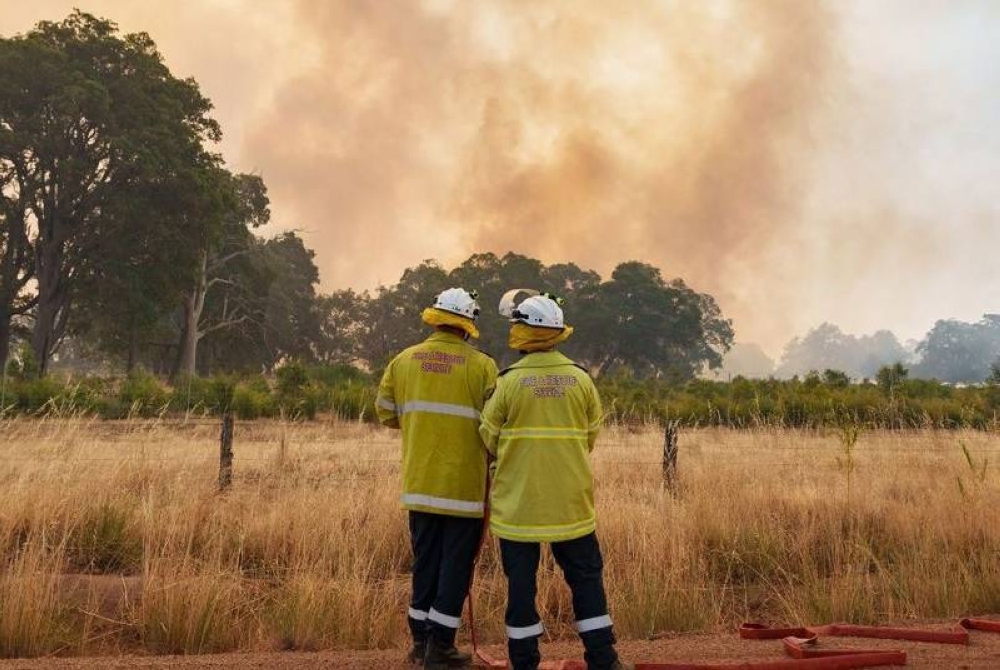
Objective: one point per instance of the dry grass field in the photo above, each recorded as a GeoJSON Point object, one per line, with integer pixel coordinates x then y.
{"type": "Point", "coordinates": [115, 539]}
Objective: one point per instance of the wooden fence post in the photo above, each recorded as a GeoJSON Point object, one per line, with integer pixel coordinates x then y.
{"type": "Point", "coordinates": [226, 453]}
{"type": "Point", "coordinates": [670, 455]}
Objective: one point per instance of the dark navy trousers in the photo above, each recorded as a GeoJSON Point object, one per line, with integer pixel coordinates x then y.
{"type": "Point", "coordinates": [444, 550]}
{"type": "Point", "coordinates": [582, 566]}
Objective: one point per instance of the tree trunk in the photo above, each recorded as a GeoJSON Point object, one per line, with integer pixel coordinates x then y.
{"type": "Point", "coordinates": [188, 357]}
{"type": "Point", "coordinates": [53, 282]}
{"type": "Point", "coordinates": [50, 310]}
{"type": "Point", "coordinates": [194, 303]}
{"type": "Point", "coordinates": [41, 336]}
{"type": "Point", "coordinates": [15, 273]}
{"type": "Point", "coordinates": [133, 350]}
{"type": "Point", "coordinates": [4, 338]}
{"type": "Point", "coordinates": [7, 297]}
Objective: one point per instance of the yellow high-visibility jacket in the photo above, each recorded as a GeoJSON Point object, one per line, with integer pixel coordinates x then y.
{"type": "Point", "coordinates": [435, 392]}
{"type": "Point", "coordinates": [541, 424]}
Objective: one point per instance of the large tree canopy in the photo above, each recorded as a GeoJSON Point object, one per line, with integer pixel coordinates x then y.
{"type": "Point", "coordinates": [652, 327]}
{"type": "Point", "coordinates": [954, 351]}
{"type": "Point", "coordinates": [635, 321]}
{"type": "Point", "coordinates": [224, 286]}
{"type": "Point", "coordinates": [826, 347]}
{"type": "Point", "coordinates": [279, 317]}
{"type": "Point", "coordinates": [92, 126]}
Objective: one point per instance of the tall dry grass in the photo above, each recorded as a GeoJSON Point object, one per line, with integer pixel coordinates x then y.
{"type": "Point", "coordinates": [114, 537]}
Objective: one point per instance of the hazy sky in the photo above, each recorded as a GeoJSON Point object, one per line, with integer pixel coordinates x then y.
{"type": "Point", "coordinates": [802, 161]}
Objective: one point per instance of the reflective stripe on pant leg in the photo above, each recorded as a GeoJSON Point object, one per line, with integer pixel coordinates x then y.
{"type": "Point", "coordinates": [594, 623]}
{"type": "Point", "coordinates": [417, 615]}
{"type": "Point", "coordinates": [444, 619]}
{"type": "Point", "coordinates": [522, 632]}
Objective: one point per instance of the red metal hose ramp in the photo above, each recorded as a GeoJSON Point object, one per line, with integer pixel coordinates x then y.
{"type": "Point", "coordinates": [987, 625]}
{"type": "Point", "coordinates": [839, 663]}
{"type": "Point", "coordinates": [846, 662]}
{"type": "Point", "coordinates": [759, 631]}
{"type": "Point", "coordinates": [805, 648]}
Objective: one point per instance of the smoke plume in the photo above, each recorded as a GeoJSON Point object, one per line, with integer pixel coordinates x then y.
{"type": "Point", "coordinates": [805, 162]}
{"type": "Point", "coordinates": [676, 133]}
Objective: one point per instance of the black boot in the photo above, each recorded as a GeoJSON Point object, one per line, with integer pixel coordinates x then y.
{"type": "Point", "coordinates": [419, 651]}
{"type": "Point", "coordinates": [617, 664]}
{"type": "Point", "coordinates": [444, 656]}
{"type": "Point", "coordinates": [524, 654]}
{"type": "Point", "coordinates": [600, 652]}
{"type": "Point", "coordinates": [420, 634]}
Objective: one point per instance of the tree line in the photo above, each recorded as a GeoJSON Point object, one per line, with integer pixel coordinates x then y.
{"type": "Point", "coordinates": [635, 320]}
{"type": "Point", "coordinates": [952, 351]}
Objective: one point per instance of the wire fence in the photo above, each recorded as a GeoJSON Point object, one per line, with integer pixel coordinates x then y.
{"type": "Point", "coordinates": [363, 468]}
{"type": "Point", "coordinates": [243, 455]}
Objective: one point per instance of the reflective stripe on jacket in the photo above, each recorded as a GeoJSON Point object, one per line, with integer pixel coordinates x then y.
{"type": "Point", "coordinates": [541, 424]}
{"type": "Point", "coordinates": [435, 392]}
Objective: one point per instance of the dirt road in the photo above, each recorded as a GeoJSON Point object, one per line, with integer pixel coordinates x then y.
{"type": "Point", "coordinates": [982, 654]}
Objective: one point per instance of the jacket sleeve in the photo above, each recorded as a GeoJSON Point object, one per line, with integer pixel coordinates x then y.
{"type": "Point", "coordinates": [595, 415]}
{"type": "Point", "coordinates": [490, 382]}
{"type": "Point", "coordinates": [493, 417]}
{"type": "Point", "coordinates": [385, 401]}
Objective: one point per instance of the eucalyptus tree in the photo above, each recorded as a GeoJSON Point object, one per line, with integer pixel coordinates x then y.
{"type": "Point", "coordinates": [86, 116]}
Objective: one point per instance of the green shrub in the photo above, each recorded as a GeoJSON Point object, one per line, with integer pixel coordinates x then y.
{"type": "Point", "coordinates": [993, 397]}
{"type": "Point", "coordinates": [301, 392]}
{"type": "Point", "coordinates": [204, 394]}
{"type": "Point", "coordinates": [298, 397]}
{"type": "Point", "coordinates": [337, 375]}
{"type": "Point", "coordinates": [144, 394]}
{"type": "Point", "coordinates": [35, 395]}
{"type": "Point", "coordinates": [353, 402]}
{"type": "Point", "coordinates": [250, 403]}
{"type": "Point", "coordinates": [292, 379]}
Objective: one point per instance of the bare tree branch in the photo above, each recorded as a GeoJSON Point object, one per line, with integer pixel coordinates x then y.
{"type": "Point", "coordinates": [219, 280]}
{"type": "Point", "coordinates": [222, 260]}
{"type": "Point", "coordinates": [228, 323]}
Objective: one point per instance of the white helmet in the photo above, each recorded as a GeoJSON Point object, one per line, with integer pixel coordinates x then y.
{"type": "Point", "coordinates": [540, 310]}
{"type": "Point", "coordinates": [458, 301]}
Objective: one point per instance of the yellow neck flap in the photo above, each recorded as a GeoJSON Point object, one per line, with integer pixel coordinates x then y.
{"type": "Point", "coordinates": [532, 338]}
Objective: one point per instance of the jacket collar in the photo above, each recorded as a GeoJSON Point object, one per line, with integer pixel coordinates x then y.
{"type": "Point", "coordinates": [542, 359]}
{"type": "Point", "coordinates": [446, 338]}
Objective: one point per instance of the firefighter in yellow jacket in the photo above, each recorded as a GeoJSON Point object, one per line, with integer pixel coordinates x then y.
{"type": "Point", "coordinates": [541, 425]}
{"type": "Point", "coordinates": [434, 392]}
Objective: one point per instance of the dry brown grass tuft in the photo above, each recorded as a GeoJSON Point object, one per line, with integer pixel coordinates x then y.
{"type": "Point", "coordinates": [33, 619]}
{"type": "Point", "coordinates": [310, 551]}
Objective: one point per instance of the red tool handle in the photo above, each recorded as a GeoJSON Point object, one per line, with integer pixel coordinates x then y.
{"type": "Point", "coordinates": [478, 653]}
